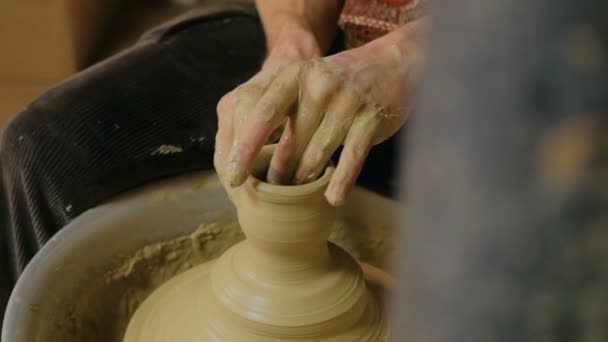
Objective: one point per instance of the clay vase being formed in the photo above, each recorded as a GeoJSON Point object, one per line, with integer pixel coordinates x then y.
{"type": "Point", "coordinates": [284, 282]}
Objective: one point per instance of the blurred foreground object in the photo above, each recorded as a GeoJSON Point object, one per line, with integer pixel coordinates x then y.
{"type": "Point", "coordinates": [507, 226]}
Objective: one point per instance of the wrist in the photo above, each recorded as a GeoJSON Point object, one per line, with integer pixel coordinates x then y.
{"type": "Point", "coordinates": [403, 46]}
{"type": "Point", "coordinates": [293, 42]}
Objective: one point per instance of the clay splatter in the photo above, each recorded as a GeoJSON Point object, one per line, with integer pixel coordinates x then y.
{"type": "Point", "coordinates": [166, 149]}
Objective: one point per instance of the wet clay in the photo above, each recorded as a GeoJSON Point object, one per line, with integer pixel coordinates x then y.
{"type": "Point", "coordinates": [104, 307]}
{"type": "Point", "coordinates": [101, 309]}
{"type": "Point", "coordinates": [284, 282]}
{"type": "Point", "coordinates": [101, 302]}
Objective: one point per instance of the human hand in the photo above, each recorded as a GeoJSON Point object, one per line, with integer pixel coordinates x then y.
{"type": "Point", "coordinates": [357, 98]}
{"type": "Point", "coordinates": [294, 42]}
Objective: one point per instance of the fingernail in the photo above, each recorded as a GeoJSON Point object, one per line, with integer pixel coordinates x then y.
{"type": "Point", "coordinates": [272, 177]}
{"type": "Point", "coordinates": [305, 177]}
{"type": "Point", "coordinates": [333, 198]}
{"type": "Point", "coordinates": [335, 192]}
{"type": "Point", "coordinates": [235, 174]}
{"type": "Point", "coordinates": [297, 178]}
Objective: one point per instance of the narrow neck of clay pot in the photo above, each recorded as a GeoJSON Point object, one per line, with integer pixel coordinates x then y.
{"type": "Point", "coordinates": [286, 226]}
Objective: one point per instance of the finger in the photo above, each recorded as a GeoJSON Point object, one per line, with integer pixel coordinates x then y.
{"type": "Point", "coordinates": [223, 138]}
{"type": "Point", "coordinates": [378, 276]}
{"type": "Point", "coordinates": [281, 156]}
{"type": "Point", "coordinates": [230, 110]}
{"type": "Point", "coordinates": [328, 136]}
{"type": "Point", "coordinates": [257, 125]}
{"type": "Point", "coordinates": [357, 145]}
{"type": "Point", "coordinates": [246, 97]}
{"type": "Point", "coordinates": [315, 90]}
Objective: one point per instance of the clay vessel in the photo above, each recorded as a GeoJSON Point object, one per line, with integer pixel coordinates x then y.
{"type": "Point", "coordinates": [284, 282]}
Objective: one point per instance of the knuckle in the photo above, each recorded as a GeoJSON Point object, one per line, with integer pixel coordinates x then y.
{"type": "Point", "coordinates": [226, 104]}
{"type": "Point", "coordinates": [319, 84]}
{"type": "Point", "coordinates": [320, 75]}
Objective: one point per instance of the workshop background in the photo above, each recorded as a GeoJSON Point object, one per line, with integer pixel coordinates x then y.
{"type": "Point", "coordinates": [43, 42]}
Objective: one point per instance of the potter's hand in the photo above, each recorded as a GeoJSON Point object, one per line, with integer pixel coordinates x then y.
{"type": "Point", "coordinates": [357, 98]}
{"type": "Point", "coordinates": [290, 40]}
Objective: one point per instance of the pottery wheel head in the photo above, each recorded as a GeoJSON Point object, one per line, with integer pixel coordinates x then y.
{"type": "Point", "coordinates": [285, 282]}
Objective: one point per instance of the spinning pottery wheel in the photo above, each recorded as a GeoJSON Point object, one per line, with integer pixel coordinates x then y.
{"type": "Point", "coordinates": [283, 283]}
{"type": "Point", "coordinates": [89, 280]}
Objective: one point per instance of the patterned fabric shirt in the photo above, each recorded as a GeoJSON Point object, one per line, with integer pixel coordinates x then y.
{"type": "Point", "coordinates": [366, 20]}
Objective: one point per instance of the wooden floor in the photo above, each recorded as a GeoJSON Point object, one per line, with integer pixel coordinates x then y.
{"type": "Point", "coordinates": [134, 19]}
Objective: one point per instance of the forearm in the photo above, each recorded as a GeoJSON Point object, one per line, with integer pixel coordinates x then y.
{"type": "Point", "coordinates": [401, 45]}
{"type": "Point", "coordinates": [299, 29]}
